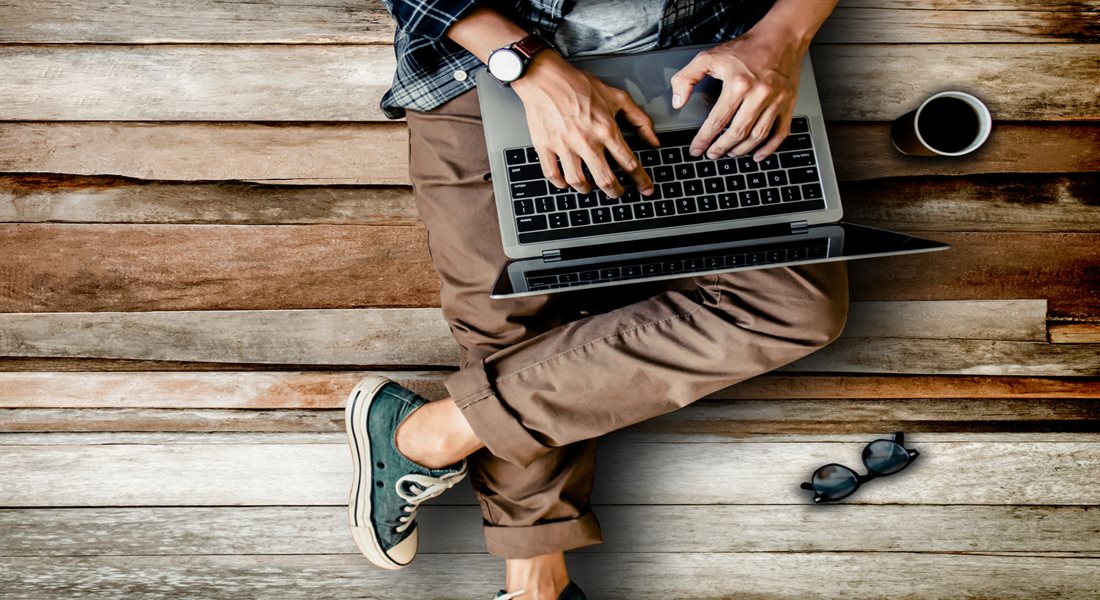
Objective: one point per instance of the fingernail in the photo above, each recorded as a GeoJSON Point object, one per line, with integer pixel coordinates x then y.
{"type": "Point", "coordinates": [695, 151]}
{"type": "Point", "coordinates": [712, 154]}
{"type": "Point", "coordinates": [676, 100]}
{"type": "Point", "coordinates": [647, 192]}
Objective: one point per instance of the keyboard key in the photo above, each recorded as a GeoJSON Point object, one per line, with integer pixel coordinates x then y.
{"type": "Point", "coordinates": [630, 195]}
{"type": "Point", "coordinates": [757, 258]}
{"type": "Point", "coordinates": [670, 156]}
{"type": "Point", "coordinates": [735, 260]}
{"type": "Point", "coordinates": [631, 271]}
{"type": "Point", "coordinates": [712, 262]}
{"type": "Point", "coordinates": [651, 269]}
{"type": "Point", "coordinates": [804, 175]}
{"type": "Point", "coordinates": [662, 174]}
{"type": "Point", "coordinates": [523, 207]}
{"type": "Point", "coordinates": [777, 178]}
{"type": "Point", "coordinates": [796, 253]}
{"type": "Point", "coordinates": [792, 194]}
{"type": "Point", "coordinates": [770, 196]}
{"type": "Point", "coordinates": [515, 156]}
{"type": "Point", "coordinates": [569, 277]}
{"type": "Point", "coordinates": [555, 190]}
{"type": "Point", "coordinates": [590, 275]}
{"type": "Point", "coordinates": [566, 202]}
{"type": "Point", "coordinates": [749, 198]}
{"type": "Point", "coordinates": [693, 264]}
{"type": "Point", "coordinates": [643, 210]}
{"type": "Point", "coordinates": [685, 205]}
{"type": "Point", "coordinates": [665, 208]}
{"type": "Point", "coordinates": [799, 141]}
{"type": "Point", "coordinates": [757, 181]}
{"type": "Point", "coordinates": [612, 273]}
{"type": "Point", "coordinates": [588, 200]}
{"type": "Point", "coordinates": [672, 266]}
{"type": "Point", "coordinates": [735, 183]}
{"type": "Point", "coordinates": [649, 158]}
{"type": "Point", "coordinates": [727, 166]}
{"type": "Point", "coordinates": [727, 201]}
{"type": "Point", "coordinates": [688, 157]}
{"type": "Point", "coordinates": [529, 189]}
{"type": "Point", "coordinates": [532, 156]}
{"type": "Point", "coordinates": [775, 256]}
{"type": "Point", "coordinates": [685, 171]}
{"type": "Point", "coordinates": [601, 215]}
{"type": "Point", "coordinates": [578, 218]}
{"type": "Point", "coordinates": [811, 191]}
{"type": "Point", "coordinates": [770, 163]}
{"type": "Point", "coordinates": [800, 125]}
{"type": "Point", "coordinates": [803, 158]}
{"type": "Point", "coordinates": [693, 187]}
{"type": "Point", "coordinates": [606, 200]}
{"type": "Point", "coordinates": [544, 205]}
{"type": "Point", "coordinates": [559, 220]}
{"type": "Point", "coordinates": [531, 223]}
{"type": "Point", "coordinates": [542, 281]}
{"type": "Point", "coordinates": [746, 164]}
{"type": "Point", "coordinates": [707, 169]}
{"type": "Point", "coordinates": [708, 203]}
{"type": "Point", "coordinates": [714, 185]}
{"type": "Point", "coordinates": [672, 190]}
{"type": "Point", "coordinates": [622, 213]}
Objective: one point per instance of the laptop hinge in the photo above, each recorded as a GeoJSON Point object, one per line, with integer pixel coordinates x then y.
{"type": "Point", "coordinates": [551, 255]}
{"type": "Point", "coordinates": [800, 226]}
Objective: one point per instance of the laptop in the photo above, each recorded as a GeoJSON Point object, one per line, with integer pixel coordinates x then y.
{"type": "Point", "coordinates": [706, 216]}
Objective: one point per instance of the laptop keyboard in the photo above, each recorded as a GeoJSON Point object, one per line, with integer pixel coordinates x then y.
{"type": "Point", "coordinates": [688, 190]}
{"type": "Point", "coordinates": [683, 264]}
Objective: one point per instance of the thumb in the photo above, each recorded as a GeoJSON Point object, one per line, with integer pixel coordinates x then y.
{"type": "Point", "coordinates": [683, 82]}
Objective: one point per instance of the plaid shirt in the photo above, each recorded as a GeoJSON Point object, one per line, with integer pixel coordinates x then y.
{"type": "Point", "coordinates": [432, 69]}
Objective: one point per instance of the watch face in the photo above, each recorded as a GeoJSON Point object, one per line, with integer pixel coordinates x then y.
{"type": "Point", "coordinates": [505, 64]}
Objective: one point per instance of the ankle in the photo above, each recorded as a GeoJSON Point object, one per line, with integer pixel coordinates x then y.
{"type": "Point", "coordinates": [430, 436]}
{"type": "Point", "coordinates": [542, 577]}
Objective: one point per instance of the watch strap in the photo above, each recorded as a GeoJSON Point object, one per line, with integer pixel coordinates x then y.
{"type": "Point", "coordinates": [531, 45]}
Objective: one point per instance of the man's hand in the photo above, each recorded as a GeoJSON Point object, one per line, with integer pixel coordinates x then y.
{"type": "Point", "coordinates": [571, 115]}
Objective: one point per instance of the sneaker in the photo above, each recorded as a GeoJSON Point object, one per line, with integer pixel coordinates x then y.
{"type": "Point", "coordinates": [388, 487]}
{"type": "Point", "coordinates": [571, 592]}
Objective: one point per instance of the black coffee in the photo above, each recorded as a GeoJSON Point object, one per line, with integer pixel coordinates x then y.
{"type": "Point", "coordinates": [948, 124]}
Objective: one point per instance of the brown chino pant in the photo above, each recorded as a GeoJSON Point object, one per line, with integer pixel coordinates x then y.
{"type": "Point", "coordinates": [542, 377]}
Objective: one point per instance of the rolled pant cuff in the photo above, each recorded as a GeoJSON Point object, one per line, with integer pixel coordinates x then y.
{"type": "Point", "coordinates": [533, 540]}
{"type": "Point", "coordinates": [490, 419]}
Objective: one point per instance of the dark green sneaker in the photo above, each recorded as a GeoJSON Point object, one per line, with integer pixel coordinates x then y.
{"type": "Point", "coordinates": [387, 488]}
{"type": "Point", "coordinates": [571, 592]}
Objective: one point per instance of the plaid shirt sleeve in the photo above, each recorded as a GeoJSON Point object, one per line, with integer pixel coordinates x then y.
{"type": "Point", "coordinates": [428, 20]}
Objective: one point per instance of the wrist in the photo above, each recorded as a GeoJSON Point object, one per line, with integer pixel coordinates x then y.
{"type": "Point", "coordinates": [545, 69]}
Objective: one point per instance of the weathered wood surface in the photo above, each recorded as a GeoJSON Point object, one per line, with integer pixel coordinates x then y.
{"type": "Point", "coordinates": [78, 268]}
{"type": "Point", "coordinates": [611, 576]}
{"type": "Point", "coordinates": [719, 417]}
{"type": "Point", "coordinates": [211, 474]}
{"type": "Point", "coordinates": [377, 153]}
{"type": "Point", "coordinates": [329, 389]}
{"type": "Point", "coordinates": [348, 21]}
{"type": "Point", "coordinates": [1075, 333]}
{"type": "Point", "coordinates": [1000, 202]}
{"type": "Point", "coordinates": [629, 529]}
{"type": "Point", "coordinates": [344, 82]}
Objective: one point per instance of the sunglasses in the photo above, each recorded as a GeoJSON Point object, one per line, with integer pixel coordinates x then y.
{"type": "Point", "coordinates": [881, 457]}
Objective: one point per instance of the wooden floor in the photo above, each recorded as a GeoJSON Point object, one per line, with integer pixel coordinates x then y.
{"type": "Point", "coordinates": [207, 236]}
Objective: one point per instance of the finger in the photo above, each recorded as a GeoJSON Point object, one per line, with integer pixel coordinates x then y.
{"type": "Point", "coordinates": [630, 164]}
{"type": "Point", "coordinates": [741, 124]}
{"type": "Point", "coordinates": [759, 132]}
{"type": "Point", "coordinates": [640, 120]}
{"type": "Point", "coordinates": [720, 114]}
{"type": "Point", "coordinates": [601, 172]}
{"type": "Point", "coordinates": [574, 172]}
{"type": "Point", "coordinates": [684, 80]}
{"type": "Point", "coordinates": [782, 130]}
{"type": "Point", "coordinates": [550, 170]}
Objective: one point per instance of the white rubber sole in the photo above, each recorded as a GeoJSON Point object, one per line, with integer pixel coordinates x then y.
{"type": "Point", "coordinates": [362, 531]}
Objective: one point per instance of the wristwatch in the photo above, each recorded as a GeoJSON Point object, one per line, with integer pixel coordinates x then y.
{"type": "Point", "coordinates": [509, 63]}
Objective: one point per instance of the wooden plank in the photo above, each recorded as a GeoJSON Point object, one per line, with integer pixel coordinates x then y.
{"type": "Point", "coordinates": [297, 474]}
{"type": "Point", "coordinates": [156, 21]}
{"type": "Point", "coordinates": [170, 82]}
{"type": "Point", "coordinates": [1001, 202]}
{"type": "Point", "coordinates": [628, 529]}
{"type": "Point", "coordinates": [610, 576]}
{"type": "Point", "coordinates": [727, 417]}
{"type": "Point", "coordinates": [188, 267]}
{"type": "Point", "coordinates": [1075, 333]}
{"type": "Point", "coordinates": [317, 154]}
{"type": "Point", "coordinates": [329, 389]}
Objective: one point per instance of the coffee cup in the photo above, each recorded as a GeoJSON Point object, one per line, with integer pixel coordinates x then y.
{"type": "Point", "coordinates": [949, 123]}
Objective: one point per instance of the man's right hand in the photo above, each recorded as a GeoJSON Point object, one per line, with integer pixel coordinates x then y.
{"type": "Point", "coordinates": [571, 115]}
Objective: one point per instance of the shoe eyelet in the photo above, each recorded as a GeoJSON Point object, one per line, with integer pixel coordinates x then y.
{"type": "Point", "coordinates": [380, 465]}
{"type": "Point", "coordinates": [379, 484]}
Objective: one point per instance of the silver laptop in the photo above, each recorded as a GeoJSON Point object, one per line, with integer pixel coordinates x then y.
{"type": "Point", "coordinates": [707, 216]}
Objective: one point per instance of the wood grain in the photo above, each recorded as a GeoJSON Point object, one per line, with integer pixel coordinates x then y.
{"type": "Point", "coordinates": [218, 21]}
{"type": "Point", "coordinates": [274, 82]}
{"type": "Point", "coordinates": [609, 576]}
{"type": "Point", "coordinates": [998, 202]}
{"type": "Point", "coordinates": [296, 474]}
{"type": "Point", "coordinates": [377, 153]}
{"type": "Point", "coordinates": [628, 529]}
{"type": "Point", "coordinates": [1075, 333]}
{"type": "Point", "coordinates": [328, 389]}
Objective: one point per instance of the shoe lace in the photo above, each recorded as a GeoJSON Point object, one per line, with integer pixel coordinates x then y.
{"type": "Point", "coordinates": [415, 489]}
{"type": "Point", "coordinates": [509, 596]}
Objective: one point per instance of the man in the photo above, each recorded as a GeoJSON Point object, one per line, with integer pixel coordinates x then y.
{"type": "Point", "coordinates": [542, 377]}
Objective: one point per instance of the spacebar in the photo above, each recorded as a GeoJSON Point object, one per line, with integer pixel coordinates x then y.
{"type": "Point", "coordinates": [688, 219]}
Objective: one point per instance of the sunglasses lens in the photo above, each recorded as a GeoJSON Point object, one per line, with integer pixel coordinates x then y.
{"type": "Point", "coordinates": [884, 457]}
{"type": "Point", "coordinates": [834, 481]}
